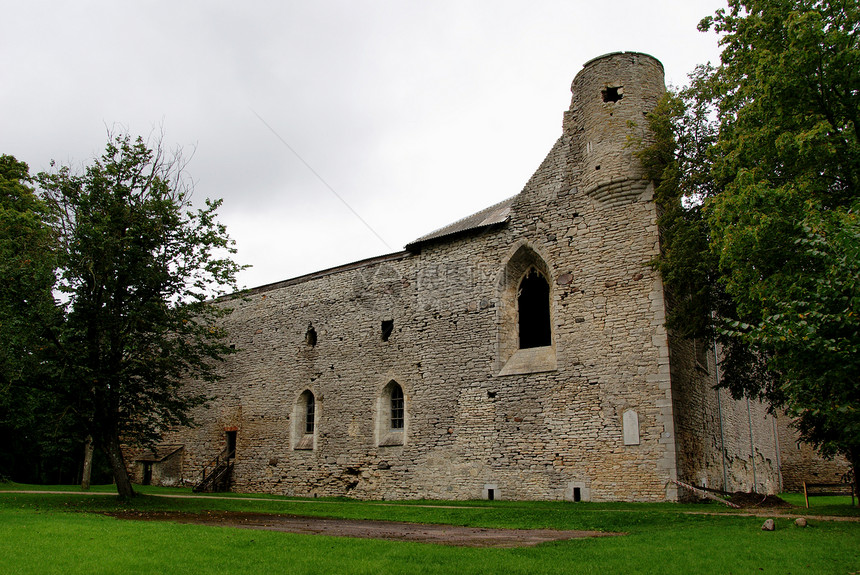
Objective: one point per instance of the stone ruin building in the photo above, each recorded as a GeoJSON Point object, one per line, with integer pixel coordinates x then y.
{"type": "Point", "coordinates": [518, 353]}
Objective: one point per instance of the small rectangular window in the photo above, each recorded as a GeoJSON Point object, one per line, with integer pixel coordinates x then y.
{"type": "Point", "coordinates": [387, 329]}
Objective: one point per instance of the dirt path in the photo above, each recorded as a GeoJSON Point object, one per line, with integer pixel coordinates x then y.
{"type": "Point", "coordinates": [399, 531]}
{"type": "Point", "coordinates": [370, 529]}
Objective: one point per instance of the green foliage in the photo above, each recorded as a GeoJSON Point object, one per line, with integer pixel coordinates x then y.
{"type": "Point", "coordinates": [27, 262]}
{"type": "Point", "coordinates": [40, 444]}
{"type": "Point", "coordinates": [135, 270]}
{"type": "Point", "coordinates": [788, 98]}
{"type": "Point", "coordinates": [810, 327]}
{"type": "Point", "coordinates": [784, 225]}
{"type": "Point", "coordinates": [677, 162]}
{"type": "Point", "coordinates": [43, 443]}
{"type": "Point", "coordinates": [776, 236]}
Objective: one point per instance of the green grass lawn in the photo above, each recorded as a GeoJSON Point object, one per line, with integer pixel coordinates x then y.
{"type": "Point", "coordinates": [63, 533]}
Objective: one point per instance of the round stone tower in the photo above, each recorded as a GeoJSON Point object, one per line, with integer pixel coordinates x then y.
{"type": "Point", "coordinates": [611, 96]}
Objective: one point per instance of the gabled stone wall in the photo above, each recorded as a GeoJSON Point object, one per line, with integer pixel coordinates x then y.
{"type": "Point", "coordinates": [594, 415]}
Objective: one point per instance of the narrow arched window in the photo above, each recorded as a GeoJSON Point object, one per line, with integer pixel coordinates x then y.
{"type": "Point", "coordinates": [304, 421]}
{"type": "Point", "coordinates": [310, 408]}
{"type": "Point", "coordinates": [397, 412]}
{"type": "Point", "coordinates": [533, 307]}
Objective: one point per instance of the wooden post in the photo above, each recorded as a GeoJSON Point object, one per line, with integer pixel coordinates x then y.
{"type": "Point", "coordinates": [805, 495]}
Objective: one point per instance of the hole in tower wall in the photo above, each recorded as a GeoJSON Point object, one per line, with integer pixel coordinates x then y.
{"type": "Point", "coordinates": [491, 494]}
{"type": "Point", "coordinates": [387, 329]}
{"type": "Point", "coordinates": [577, 494]}
{"type": "Point", "coordinates": [611, 94]}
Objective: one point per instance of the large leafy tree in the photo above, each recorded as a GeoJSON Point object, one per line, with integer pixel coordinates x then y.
{"type": "Point", "coordinates": [134, 270]}
{"type": "Point", "coordinates": [777, 229]}
{"type": "Point", "coordinates": [27, 269]}
{"type": "Point", "coordinates": [41, 442]}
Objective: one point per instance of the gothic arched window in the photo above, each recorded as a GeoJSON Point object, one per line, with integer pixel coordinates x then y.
{"type": "Point", "coordinates": [525, 315]}
{"type": "Point", "coordinates": [310, 408]}
{"type": "Point", "coordinates": [304, 421]}
{"type": "Point", "coordinates": [391, 418]}
{"type": "Point", "coordinates": [397, 413]}
{"type": "Point", "coordinates": [533, 311]}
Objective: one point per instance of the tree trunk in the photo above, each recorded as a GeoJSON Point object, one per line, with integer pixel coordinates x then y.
{"type": "Point", "coordinates": [113, 452]}
{"type": "Point", "coordinates": [854, 458]}
{"type": "Point", "coordinates": [88, 464]}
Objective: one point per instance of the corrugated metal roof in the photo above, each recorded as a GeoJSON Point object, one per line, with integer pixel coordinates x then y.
{"type": "Point", "coordinates": [497, 214]}
{"type": "Point", "coordinates": [326, 272]}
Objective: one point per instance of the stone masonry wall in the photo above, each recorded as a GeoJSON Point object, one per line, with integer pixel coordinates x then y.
{"type": "Point", "coordinates": [481, 414]}
{"type": "Point", "coordinates": [603, 413]}
{"type": "Point", "coordinates": [722, 443]}
{"type": "Point", "coordinates": [800, 462]}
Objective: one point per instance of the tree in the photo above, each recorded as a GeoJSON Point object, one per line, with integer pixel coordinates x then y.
{"type": "Point", "coordinates": [37, 435]}
{"type": "Point", "coordinates": [778, 228]}
{"type": "Point", "coordinates": [136, 270]}
{"type": "Point", "coordinates": [27, 263]}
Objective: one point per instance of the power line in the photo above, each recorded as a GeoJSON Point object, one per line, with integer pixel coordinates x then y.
{"type": "Point", "coordinates": [320, 178]}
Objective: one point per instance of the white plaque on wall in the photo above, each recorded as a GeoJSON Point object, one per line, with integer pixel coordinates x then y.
{"type": "Point", "coordinates": [631, 427]}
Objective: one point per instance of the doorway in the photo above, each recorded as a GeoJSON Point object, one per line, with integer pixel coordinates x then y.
{"type": "Point", "coordinates": [231, 443]}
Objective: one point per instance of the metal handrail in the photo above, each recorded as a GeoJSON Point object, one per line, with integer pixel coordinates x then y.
{"type": "Point", "coordinates": [213, 466]}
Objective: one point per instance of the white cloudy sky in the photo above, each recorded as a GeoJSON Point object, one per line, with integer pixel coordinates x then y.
{"type": "Point", "coordinates": [415, 113]}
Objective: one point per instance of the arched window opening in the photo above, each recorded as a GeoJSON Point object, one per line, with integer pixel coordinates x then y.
{"type": "Point", "coordinates": [304, 421]}
{"type": "Point", "coordinates": [397, 413]}
{"type": "Point", "coordinates": [525, 315]}
{"type": "Point", "coordinates": [391, 419]}
{"type": "Point", "coordinates": [309, 413]}
{"type": "Point", "coordinates": [533, 306]}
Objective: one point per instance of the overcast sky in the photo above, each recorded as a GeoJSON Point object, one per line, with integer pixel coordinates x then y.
{"type": "Point", "coordinates": [415, 113]}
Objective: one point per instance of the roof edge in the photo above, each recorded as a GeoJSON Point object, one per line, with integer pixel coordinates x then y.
{"type": "Point", "coordinates": [496, 214]}
{"type": "Point", "coordinates": [322, 273]}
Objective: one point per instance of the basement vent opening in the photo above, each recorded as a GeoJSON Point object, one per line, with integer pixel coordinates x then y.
{"type": "Point", "coordinates": [387, 329]}
{"type": "Point", "coordinates": [611, 94]}
{"type": "Point", "coordinates": [311, 336]}
{"type": "Point", "coordinates": [577, 494]}
{"type": "Point", "coordinates": [491, 491]}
